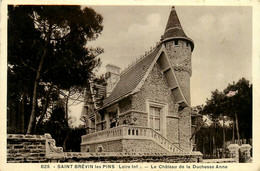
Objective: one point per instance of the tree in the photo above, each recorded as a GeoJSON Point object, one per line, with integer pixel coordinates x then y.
{"type": "Point", "coordinates": [215, 110]}
{"type": "Point", "coordinates": [57, 125]}
{"type": "Point", "coordinates": [237, 107]}
{"type": "Point", "coordinates": [47, 49]}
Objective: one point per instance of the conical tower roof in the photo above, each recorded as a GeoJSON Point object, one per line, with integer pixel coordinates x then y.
{"type": "Point", "coordinates": [174, 29]}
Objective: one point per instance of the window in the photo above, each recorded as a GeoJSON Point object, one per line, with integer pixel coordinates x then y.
{"type": "Point", "coordinates": [176, 42]}
{"type": "Point", "coordinates": [155, 118]}
{"type": "Point", "coordinates": [112, 116]}
{"type": "Point", "coordinates": [157, 113]}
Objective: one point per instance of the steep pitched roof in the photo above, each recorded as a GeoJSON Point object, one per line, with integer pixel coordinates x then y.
{"type": "Point", "coordinates": [174, 29]}
{"type": "Point", "coordinates": [130, 79]}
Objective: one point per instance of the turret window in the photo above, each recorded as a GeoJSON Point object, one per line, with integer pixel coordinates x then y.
{"type": "Point", "coordinates": [176, 42]}
{"type": "Point", "coordinates": [187, 44]}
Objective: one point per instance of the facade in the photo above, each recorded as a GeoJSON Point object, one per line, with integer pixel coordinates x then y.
{"type": "Point", "coordinates": [147, 106]}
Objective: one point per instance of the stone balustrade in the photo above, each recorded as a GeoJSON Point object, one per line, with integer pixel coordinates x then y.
{"type": "Point", "coordinates": [130, 132]}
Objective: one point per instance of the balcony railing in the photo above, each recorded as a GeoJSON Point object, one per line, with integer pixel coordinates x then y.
{"type": "Point", "coordinates": [130, 132]}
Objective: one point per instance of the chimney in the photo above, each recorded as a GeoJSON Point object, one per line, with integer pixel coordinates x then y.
{"type": "Point", "coordinates": [112, 76]}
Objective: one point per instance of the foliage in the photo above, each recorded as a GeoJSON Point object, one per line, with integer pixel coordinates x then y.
{"type": "Point", "coordinates": [65, 136]}
{"type": "Point", "coordinates": [56, 125]}
{"type": "Point", "coordinates": [74, 139]}
{"type": "Point", "coordinates": [241, 104]}
{"type": "Point", "coordinates": [47, 53]}
{"type": "Point", "coordinates": [222, 108]}
{"type": "Point", "coordinates": [205, 139]}
{"type": "Point", "coordinates": [214, 107]}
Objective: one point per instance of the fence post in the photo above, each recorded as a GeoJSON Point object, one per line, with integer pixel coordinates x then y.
{"type": "Point", "coordinates": [234, 150]}
{"type": "Point", "coordinates": [245, 153]}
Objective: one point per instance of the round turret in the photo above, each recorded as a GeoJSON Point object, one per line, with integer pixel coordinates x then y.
{"type": "Point", "coordinates": [174, 31]}
{"type": "Point", "coordinates": [179, 48]}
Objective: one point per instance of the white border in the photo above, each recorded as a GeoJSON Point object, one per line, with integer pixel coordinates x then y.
{"type": "Point", "coordinates": [256, 67]}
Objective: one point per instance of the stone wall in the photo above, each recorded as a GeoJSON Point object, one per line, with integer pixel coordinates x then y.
{"type": "Point", "coordinates": [137, 118]}
{"type": "Point", "coordinates": [185, 129]}
{"type": "Point", "coordinates": [156, 89]}
{"type": "Point", "coordinates": [125, 105]}
{"type": "Point", "coordinates": [32, 149]}
{"type": "Point", "coordinates": [125, 145]}
{"type": "Point", "coordinates": [25, 148]}
{"type": "Point", "coordinates": [173, 129]}
{"type": "Point", "coordinates": [131, 158]}
{"type": "Point", "coordinates": [180, 55]}
{"type": "Point", "coordinates": [143, 146]}
{"type": "Point", "coordinates": [109, 146]}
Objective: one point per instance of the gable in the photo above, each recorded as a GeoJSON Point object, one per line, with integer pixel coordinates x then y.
{"type": "Point", "coordinates": [155, 89]}
{"type": "Point", "coordinates": [132, 80]}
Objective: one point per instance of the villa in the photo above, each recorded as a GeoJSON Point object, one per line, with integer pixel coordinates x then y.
{"type": "Point", "coordinates": [145, 108]}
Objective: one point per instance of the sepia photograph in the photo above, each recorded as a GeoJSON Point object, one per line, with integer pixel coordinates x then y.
{"type": "Point", "coordinates": [118, 86]}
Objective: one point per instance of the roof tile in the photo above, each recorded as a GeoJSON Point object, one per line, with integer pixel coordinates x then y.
{"type": "Point", "coordinates": [174, 29]}
{"type": "Point", "coordinates": [131, 78]}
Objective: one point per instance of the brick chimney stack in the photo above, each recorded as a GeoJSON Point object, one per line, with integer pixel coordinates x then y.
{"type": "Point", "coordinates": [113, 76]}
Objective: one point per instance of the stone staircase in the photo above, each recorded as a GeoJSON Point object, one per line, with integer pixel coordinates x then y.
{"type": "Point", "coordinates": [131, 132]}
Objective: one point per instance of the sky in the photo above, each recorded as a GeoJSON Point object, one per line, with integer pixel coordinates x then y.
{"type": "Point", "coordinates": [222, 38]}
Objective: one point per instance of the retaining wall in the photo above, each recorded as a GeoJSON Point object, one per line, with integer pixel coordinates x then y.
{"type": "Point", "coordinates": [41, 149]}
{"type": "Point", "coordinates": [25, 148]}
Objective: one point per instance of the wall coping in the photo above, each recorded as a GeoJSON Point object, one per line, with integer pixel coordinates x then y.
{"type": "Point", "coordinates": [25, 137]}
{"type": "Point", "coordinates": [225, 160]}
{"type": "Point", "coordinates": [127, 154]}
